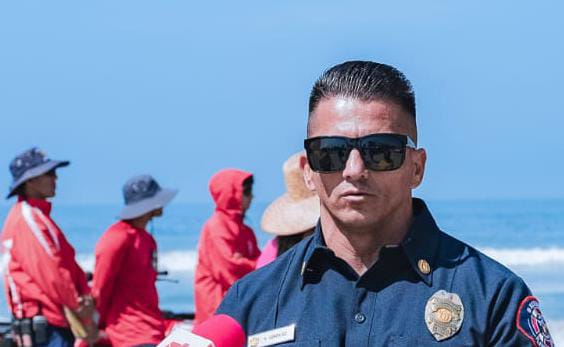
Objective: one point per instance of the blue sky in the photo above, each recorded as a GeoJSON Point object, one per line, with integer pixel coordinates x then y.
{"type": "Point", "coordinates": [180, 89]}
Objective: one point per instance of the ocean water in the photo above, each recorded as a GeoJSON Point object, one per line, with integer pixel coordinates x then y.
{"type": "Point", "coordinates": [527, 236]}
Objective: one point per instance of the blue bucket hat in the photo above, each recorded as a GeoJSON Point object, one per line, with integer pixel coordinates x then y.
{"type": "Point", "coordinates": [30, 164]}
{"type": "Point", "coordinates": [143, 194]}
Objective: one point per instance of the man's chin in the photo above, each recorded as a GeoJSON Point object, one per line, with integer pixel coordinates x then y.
{"type": "Point", "coordinates": [356, 219]}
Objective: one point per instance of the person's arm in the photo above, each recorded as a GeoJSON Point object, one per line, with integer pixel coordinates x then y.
{"type": "Point", "coordinates": [85, 300]}
{"type": "Point", "coordinates": [82, 283]}
{"type": "Point", "coordinates": [227, 264]}
{"type": "Point", "coordinates": [516, 318]}
{"type": "Point", "coordinates": [110, 253]}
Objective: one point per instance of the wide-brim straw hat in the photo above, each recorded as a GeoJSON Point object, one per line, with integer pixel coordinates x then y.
{"type": "Point", "coordinates": [297, 210]}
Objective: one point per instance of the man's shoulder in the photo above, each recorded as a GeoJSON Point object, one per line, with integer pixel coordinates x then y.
{"type": "Point", "coordinates": [472, 263]}
{"type": "Point", "coordinates": [115, 237]}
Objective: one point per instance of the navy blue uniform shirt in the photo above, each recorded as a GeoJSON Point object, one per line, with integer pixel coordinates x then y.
{"type": "Point", "coordinates": [432, 290]}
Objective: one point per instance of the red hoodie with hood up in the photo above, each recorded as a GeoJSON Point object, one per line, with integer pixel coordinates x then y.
{"type": "Point", "coordinates": [228, 248]}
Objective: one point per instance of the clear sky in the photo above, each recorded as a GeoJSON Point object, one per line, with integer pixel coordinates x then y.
{"type": "Point", "coordinates": [180, 89]}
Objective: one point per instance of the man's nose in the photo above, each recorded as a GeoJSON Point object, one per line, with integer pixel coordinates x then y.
{"type": "Point", "coordinates": [354, 168]}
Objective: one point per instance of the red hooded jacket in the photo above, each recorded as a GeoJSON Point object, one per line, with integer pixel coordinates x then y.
{"type": "Point", "coordinates": [228, 248]}
{"type": "Point", "coordinates": [124, 286]}
{"type": "Point", "coordinates": [40, 271]}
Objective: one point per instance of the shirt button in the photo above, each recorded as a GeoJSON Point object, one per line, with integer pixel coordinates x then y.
{"type": "Point", "coordinates": [359, 318]}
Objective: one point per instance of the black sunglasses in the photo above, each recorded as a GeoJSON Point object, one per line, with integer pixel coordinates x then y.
{"type": "Point", "coordinates": [380, 152]}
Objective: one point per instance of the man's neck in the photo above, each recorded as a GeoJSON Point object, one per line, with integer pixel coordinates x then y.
{"type": "Point", "coordinates": [140, 222]}
{"type": "Point", "coordinates": [34, 195]}
{"type": "Point", "coordinates": [360, 246]}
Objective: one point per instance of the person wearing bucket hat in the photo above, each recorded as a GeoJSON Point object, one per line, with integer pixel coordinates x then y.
{"type": "Point", "coordinates": [228, 248]}
{"type": "Point", "coordinates": [42, 277]}
{"type": "Point", "coordinates": [292, 216]}
{"type": "Point", "coordinates": [126, 268]}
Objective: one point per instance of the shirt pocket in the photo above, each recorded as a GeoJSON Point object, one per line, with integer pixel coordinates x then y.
{"type": "Point", "coordinates": [307, 343]}
{"type": "Point", "coordinates": [400, 341]}
{"type": "Point", "coordinates": [326, 341]}
{"type": "Point", "coordinates": [422, 341]}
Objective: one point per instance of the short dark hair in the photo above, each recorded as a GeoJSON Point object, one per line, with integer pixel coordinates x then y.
{"type": "Point", "coordinates": [366, 81]}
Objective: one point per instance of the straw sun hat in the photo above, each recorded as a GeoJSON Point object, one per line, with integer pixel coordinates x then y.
{"type": "Point", "coordinates": [295, 211]}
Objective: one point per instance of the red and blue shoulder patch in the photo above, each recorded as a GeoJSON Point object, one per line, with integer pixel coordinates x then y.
{"type": "Point", "coordinates": [531, 323]}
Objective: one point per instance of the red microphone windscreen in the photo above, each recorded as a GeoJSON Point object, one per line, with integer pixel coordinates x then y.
{"type": "Point", "coordinates": [222, 330]}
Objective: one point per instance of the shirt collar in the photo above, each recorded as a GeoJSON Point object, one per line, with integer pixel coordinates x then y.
{"type": "Point", "coordinates": [123, 224]}
{"type": "Point", "coordinates": [420, 244]}
{"type": "Point", "coordinates": [316, 246]}
{"type": "Point", "coordinates": [43, 205]}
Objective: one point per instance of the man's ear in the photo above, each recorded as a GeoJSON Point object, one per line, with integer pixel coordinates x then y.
{"type": "Point", "coordinates": [419, 160]}
{"type": "Point", "coordinates": [307, 172]}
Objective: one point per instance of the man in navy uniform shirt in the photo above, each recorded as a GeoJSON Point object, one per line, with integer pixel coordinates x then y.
{"type": "Point", "coordinates": [378, 271]}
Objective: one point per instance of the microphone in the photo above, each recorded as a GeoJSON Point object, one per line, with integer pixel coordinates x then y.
{"type": "Point", "coordinates": [218, 331]}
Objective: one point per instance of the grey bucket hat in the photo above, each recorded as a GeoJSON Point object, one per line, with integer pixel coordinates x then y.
{"type": "Point", "coordinates": [30, 164]}
{"type": "Point", "coordinates": [143, 194]}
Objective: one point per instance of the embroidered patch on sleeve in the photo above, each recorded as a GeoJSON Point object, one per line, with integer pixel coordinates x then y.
{"type": "Point", "coordinates": [531, 323]}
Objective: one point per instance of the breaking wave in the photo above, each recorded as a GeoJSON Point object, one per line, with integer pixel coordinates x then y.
{"type": "Point", "coordinates": [526, 256]}
{"type": "Point", "coordinates": [185, 260]}
{"type": "Point", "coordinates": [174, 261]}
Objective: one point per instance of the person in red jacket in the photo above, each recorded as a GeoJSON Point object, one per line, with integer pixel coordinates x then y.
{"type": "Point", "coordinates": [228, 248]}
{"type": "Point", "coordinates": [41, 275]}
{"type": "Point", "coordinates": [126, 268]}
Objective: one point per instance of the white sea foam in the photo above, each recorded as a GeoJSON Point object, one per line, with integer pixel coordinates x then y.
{"type": "Point", "coordinates": [177, 261]}
{"type": "Point", "coordinates": [526, 256]}
{"type": "Point", "coordinates": [185, 260]}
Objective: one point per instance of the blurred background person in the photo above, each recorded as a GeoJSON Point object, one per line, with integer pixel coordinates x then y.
{"type": "Point", "coordinates": [228, 248]}
{"type": "Point", "coordinates": [41, 275]}
{"type": "Point", "coordinates": [292, 216]}
{"type": "Point", "coordinates": [126, 268]}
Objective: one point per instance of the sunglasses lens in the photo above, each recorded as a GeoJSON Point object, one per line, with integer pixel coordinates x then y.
{"type": "Point", "coordinates": [380, 152]}
{"type": "Point", "coordinates": [327, 154]}
{"type": "Point", "coordinates": [383, 152]}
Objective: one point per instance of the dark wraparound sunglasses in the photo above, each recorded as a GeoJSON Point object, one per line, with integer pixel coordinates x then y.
{"type": "Point", "coordinates": [380, 152]}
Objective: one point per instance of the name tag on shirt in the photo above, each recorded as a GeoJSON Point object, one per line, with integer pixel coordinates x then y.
{"type": "Point", "coordinates": [273, 337]}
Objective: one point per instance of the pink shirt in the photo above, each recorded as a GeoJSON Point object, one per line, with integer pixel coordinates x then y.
{"type": "Point", "coordinates": [268, 253]}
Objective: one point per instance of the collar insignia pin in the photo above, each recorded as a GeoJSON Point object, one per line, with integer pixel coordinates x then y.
{"type": "Point", "coordinates": [424, 266]}
{"type": "Point", "coordinates": [444, 314]}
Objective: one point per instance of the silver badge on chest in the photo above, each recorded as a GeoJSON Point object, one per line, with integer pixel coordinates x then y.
{"type": "Point", "coordinates": [444, 314]}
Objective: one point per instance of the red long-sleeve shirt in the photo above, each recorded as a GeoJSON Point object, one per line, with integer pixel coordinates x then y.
{"type": "Point", "coordinates": [124, 286]}
{"type": "Point", "coordinates": [41, 274]}
{"type": "Point", "coordinates": [228, 248]}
